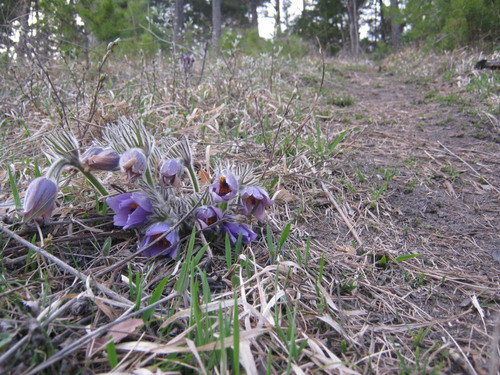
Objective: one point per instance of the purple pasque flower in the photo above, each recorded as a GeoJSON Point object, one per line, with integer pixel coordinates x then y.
{"type": "Point", "coordinates": [187, 62]}
{"type": "Point", "coordinates": [167, 245]}
{"type": "Point", "coordinates": [224, 187]}
{"type": "Point", "coordinates": [91, 151]}
{"type": "Point", "coordinates": [40, 199]}
{"type": "Point", "coordinates": [131, 209]}
{"type": "Point", "coordinates": [234, 230]}
{"type": "Point", "coordinates": [254, 200]}
{"type": "Point", "coordinates": [97, 159]}
{"type": "Point", "coordinates": [133, 163]}
{"type": "Point", "coordinates": [170, 173]}
{"type": "Point", "coordinates": [207, 215]}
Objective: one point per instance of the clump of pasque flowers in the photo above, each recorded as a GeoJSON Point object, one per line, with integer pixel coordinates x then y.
{"type": "Point", "coordinates": [163, 198]}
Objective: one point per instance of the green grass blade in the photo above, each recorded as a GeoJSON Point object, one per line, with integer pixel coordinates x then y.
{"type": "Point", "coordinates": [181, 284]}
{"type": "Point", "coordinates": [270, 242]}
{"type": "Point", "coordinates": [308, 251]}
{"type": "Point", "coordinates": [239, 245]}
{"type": "Point", "coordinates": [106, 246]}
{"type": "Point", "coordinates": [404, 257]}
{"type": "Point", "coordinates": [227, 248]}
{"type": "Point", "coordinates": [112, 356]}
{"type": "Point", "coordinates": [284, 235]}
{"type": "Point", "coordinates": [38, 173]}
{"type": "Point", "coordinates": [138, 290]}
{"type": "Point", "coordinates": [198, 256]}
{"type": "Point", "coordinates": [13, 187]}
{"type": "Point", "coordinates": [222, 337]}
{"type": "Point", "coordinates": [207, 294]}
{"type": "Point", "coordinates": [336, 141]}
{"type": "Point", "coordinates": [146, 316]}
{"type": "Point", "coordinates": [236, 337]}
{"type": "Point", "coordinates": [269, 369]}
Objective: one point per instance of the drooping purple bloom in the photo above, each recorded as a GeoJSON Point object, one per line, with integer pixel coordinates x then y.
{"type": "Point", "coordinates": [91, 151]}
{"type": "Point", "coordinates": [187, 62]}
{"type": "Point", "coordinates": [170, 173]}
{"type": "Point", "coordinates": [254, 200]}
{"type": "Point", "coordinates": [165, 246]}
{"type": "Point", "coordinates": [224, 187]}
{"type": "Point", "coordinates": [133, 163]}
{"type": "Point", "coordinates": [40, 199]}
{"type": "Point", "coordinates": [131, 209]}
{"type": "Point", "coordinates": [234, 230]}
{"type": "Point", "coordinates": [207, 215]}
{"type": "Point", "coordinates": [97, 159]}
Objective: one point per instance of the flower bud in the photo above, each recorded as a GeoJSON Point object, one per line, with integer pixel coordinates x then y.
{"type": "Point", "coordinates": [97, 159]}
{"type": "Point", "coordinates": [40, 199]}
{"type": "Point", "coordinates": [170, 173]}
{"type": "Point", "coordinates": [133, 164]}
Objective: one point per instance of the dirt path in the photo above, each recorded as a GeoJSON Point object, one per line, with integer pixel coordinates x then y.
{"type": "Point", "coordinates": [443, 201]}
{"type": "Point", "coordinates": [440, 161]}
{"type": "Point", "coordinates": [446, 188]}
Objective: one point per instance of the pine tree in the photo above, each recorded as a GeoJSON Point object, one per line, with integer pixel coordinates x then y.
{"type": "Point", "coordinates": [216, 21]}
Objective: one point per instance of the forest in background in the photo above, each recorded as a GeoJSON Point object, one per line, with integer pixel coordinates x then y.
{"type": "Point", "coordinates": [75, 27]}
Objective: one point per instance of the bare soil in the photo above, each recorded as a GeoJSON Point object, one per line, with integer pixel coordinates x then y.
{"type": "Point", "coordinates": [442, 203]}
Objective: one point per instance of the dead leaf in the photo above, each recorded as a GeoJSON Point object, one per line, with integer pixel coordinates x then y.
{"type": "Point", "coordinates": [107, 310]}
{"type": "Point", "coordinates": [117, 333]}
{"type": "Point", "coordinates": [204, 177]}
{"type": "Point", "coordinates": [284, 195]}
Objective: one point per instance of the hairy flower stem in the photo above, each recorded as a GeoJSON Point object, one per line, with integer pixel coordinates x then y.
{"type": "Point", "coordinates": [194, 178]}
{"type": "Point", "coordinates": [94, 181]}
{"type": "Point", "coordinates": [56, 168]}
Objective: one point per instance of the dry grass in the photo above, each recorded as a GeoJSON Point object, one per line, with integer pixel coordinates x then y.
{"type": "Point", "coordinates": [334, 296]}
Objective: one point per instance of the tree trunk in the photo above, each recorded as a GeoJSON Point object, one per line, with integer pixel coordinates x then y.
{"type": "Point", "coordinates": [352, 12]}
{"type": "Point", "coordinates": [253, 12]}
{"type": "Point", "coordinates": [277, 7]}
{"type": "Point", "coordinates": [21, 48]}
{"type": "Point", "coordinates": [216, 22]}
{"type": "Point", "coordinates": [395, 25]}
{"type": "Point", "coordinates": [382, 20]}
{"type": "Point", "coordinates": [178, 20]}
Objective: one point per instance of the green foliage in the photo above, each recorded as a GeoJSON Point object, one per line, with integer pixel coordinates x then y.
{"type": "Point", "coordinates": [486, 85]}
{"type": "Point", "coordinates": [453, 23]}
{"type": "Point", "coordinates": [325, 22]}
{"type": "Point", "coordinates": [10, 11]}
{"type": "Point", "coordinates": [60, 21]}
{"type": "Point", "coordinates": [250, 43]}
{"type": "Point", "coordinates": [107, 19]}
{"type": "Point", "coordinates": [341, 101]}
